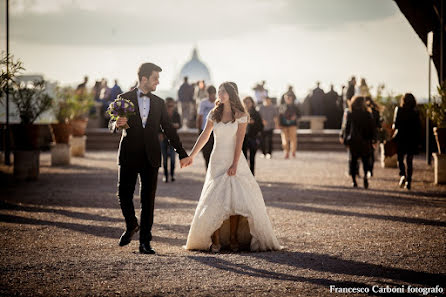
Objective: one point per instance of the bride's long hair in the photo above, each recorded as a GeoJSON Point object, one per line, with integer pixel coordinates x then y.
{"type": "Point", "coordinates": [234, 100]}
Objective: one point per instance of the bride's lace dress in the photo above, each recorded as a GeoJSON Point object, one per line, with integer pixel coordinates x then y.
{"type": "Point", "coordinates": [223, 196]}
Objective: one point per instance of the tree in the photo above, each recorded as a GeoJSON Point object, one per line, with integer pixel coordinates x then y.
{"type": "Point", "coordinates": [7, 77]}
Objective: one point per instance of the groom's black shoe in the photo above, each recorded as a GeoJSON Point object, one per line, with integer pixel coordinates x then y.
{"type": "Point", "coordinates": [126, 237]}
{"type": "Point", "coordinates": [145, 248]}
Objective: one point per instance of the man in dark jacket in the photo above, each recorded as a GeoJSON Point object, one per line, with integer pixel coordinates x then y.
{"type": "Point", "coordinates": [139, 153]}
{"type": "Point", "coordinates": [186, 99]}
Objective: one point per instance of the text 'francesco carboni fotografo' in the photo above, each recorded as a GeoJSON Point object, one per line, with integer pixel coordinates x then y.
{"type": "Point", "coordinates": [387, 290]}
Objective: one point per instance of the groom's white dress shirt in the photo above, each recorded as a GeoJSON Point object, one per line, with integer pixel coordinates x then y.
{"type": "Point", "coordinates": [144, 107]}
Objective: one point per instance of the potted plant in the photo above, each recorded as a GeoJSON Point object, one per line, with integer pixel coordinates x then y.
{"type": "Point", "coordinates": [388, 147]}
{"type": "Point", "coordinates": [81, 102]}
{"type": "Point", "coordinates": [63, 113]}
{"type": "Point", "coordinates": [31, 101]}
{"type": "Point", "coordinates": [62, 131]}
{"type": "Point", "coordinates": [437, 113]}
{"type": "Point", "coordinates": [76, 107]}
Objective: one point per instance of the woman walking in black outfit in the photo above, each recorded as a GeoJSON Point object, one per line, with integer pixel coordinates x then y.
{"type": "Point", "coordinates": [167, 150]}
{"type": "Point", "coordinates": [357, 133]}
{"type": "Point", "coordinates": [407, 127]}
{"type": "Point", "coordinates": [255, 127]}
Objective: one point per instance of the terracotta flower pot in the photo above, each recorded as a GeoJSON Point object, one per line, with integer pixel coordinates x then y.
{"type": "Point", "coordinates": [79, 126]}
{"type": "Point", "coordinates": [61, 132]}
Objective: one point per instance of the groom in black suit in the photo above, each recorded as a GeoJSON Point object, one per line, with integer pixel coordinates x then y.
{"type": "Point", "coordinates": [139, 153]}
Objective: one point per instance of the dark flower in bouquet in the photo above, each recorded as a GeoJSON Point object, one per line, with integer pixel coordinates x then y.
{"type": "Point", "coordinates": [121, 108]}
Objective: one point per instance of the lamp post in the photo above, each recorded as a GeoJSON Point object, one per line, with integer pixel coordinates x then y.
{"type": "Point", "coordinates": [441, 40]}
{"type": "Point", "coordinates": [7, 143]}
{"type": "Point", "coordinates": [430, 42]}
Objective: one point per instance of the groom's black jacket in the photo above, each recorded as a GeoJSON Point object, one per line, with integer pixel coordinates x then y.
{"type": "Point", "coordinates": [138, 143]}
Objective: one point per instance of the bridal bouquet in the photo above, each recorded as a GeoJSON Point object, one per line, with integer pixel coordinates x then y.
{"type": "Point", "coordinates": [121, 108]}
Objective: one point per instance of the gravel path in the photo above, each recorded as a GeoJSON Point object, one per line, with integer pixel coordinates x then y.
{"type": "Point", "coordinates": [60, 233]}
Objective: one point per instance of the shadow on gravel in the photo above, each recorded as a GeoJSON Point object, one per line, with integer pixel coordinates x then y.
{"type": "Point", "coordinates": [67, 213]}
{"type": "Point", "coordinates": [348, 196]}
{"type": "Point", "coordinates": [245, 269]}
{"type": "Point", "coordinates": [433, 194]}
{"type": "Point", "coordinates": [328, 211]}
{"type": "Point", "coordinates": [98, 231]}
{"type": "Point", "coordinates": [321, 263]}
{"type": "Point", "coordinates": [84, 167]}
{"type": "Point", "coordinates": [331, 264]}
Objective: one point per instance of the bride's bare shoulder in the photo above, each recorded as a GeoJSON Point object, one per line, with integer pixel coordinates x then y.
{"type": "Point", "coordinates": [211, 116]}
{"type": "Point", "coordinates": [242, 117]}
{"type": "Point", "coordinates": [239, 115]}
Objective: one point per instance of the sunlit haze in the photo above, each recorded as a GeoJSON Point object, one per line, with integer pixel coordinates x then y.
{"type": "Point", "coordinates": [283, 42]}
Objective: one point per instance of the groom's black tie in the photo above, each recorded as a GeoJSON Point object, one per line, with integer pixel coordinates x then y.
{"type": "Point", "coordinates": [144, 95]}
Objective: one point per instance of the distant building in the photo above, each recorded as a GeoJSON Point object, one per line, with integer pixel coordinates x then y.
{"type": "Point", "coordinates": [30, 78]}
{"type": "Point", "coordinates": [195, 70]}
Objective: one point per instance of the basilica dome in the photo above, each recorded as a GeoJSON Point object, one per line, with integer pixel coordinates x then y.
{"type": "Point", "coordinates": [195, 70]}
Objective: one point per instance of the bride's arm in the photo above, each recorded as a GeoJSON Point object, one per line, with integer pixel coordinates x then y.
{"type": "Point", "coordinates": [240, 136]}
{"type": "Point", "coordinates": [202, 139]}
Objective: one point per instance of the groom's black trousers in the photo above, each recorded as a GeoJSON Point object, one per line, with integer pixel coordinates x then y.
{"type": "Point", "coordinates": [148, 177]}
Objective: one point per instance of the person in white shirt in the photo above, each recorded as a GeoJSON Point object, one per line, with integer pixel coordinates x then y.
{"type": "Point", "coordinates": [204, 108]}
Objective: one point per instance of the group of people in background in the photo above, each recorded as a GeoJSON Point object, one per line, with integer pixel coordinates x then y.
{"type": "Point", "coordinates": [331, 104]}
{"type": "Point", "coordinates": [102, 94]}
{"type": "Point", "coordinates": [360, 126]}
{"type": "Point", "coordinates": [354, 111]}
{"type": "Point", "coordinates": [189, 96]}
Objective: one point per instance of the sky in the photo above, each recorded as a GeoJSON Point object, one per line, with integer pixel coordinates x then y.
{"type": "Point", "coordinates": [285, 42]}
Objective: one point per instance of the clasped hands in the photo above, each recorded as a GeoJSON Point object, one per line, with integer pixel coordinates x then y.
{"type": "Point", "coordinates": [186, 162]}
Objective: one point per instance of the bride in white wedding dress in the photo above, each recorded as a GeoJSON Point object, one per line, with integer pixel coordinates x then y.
{"type": "Point", "coordinates": [231, 211]}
